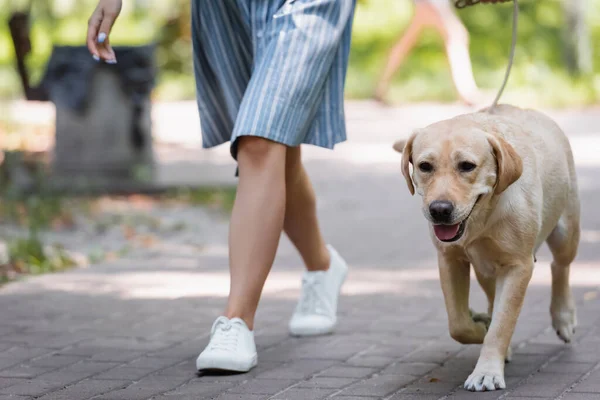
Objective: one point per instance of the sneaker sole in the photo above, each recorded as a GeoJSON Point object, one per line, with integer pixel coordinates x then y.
{"type": "Point", "coordinates": [230, 366]}
{"type": "Point", "coordinates": [312, 332]}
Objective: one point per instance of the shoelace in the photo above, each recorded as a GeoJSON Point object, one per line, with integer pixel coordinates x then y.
{"type": "Point", "coordinates": [225, 337]}
{"type": "Point", "coordinates": [311, 301]}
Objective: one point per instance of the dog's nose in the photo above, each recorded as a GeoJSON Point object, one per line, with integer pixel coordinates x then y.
{"type": "Point", "coordinates": [441, 210]}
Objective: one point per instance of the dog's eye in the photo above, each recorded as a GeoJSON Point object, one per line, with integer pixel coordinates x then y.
{"type": "Point", "coordinates": [425, 167]}
{"type": "Point", "coordinates": [466, 166]}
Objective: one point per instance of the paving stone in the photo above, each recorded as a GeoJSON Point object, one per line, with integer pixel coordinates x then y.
{"type": "Point", "coordinates": [121, 372]}
{"type": "Point", "coordinates": [431, 387]}
{"type": "Point", "coordinates": [409, 369]}
{"type": "Point", "coordinates": [23, 353]}
{"type": "Point", "coordinates": [521, 398]}
{"type": "Point", "coordinates": [590, 384]}
{"type": "Point", "coordinates": [197, 389]}
{"type": "Point", "coordinates": [547, 390]}
{"type": "Point", "coordinates": [371, 361]}
{"type": "Point", "coordinates": [297, 369]}
{"type": "Point", "coordinates": [262, 386]}
{"type": "Point", "coordinates": [186, 368]}
{"type": "Point", "coordinates": [6, 382]}
{"type": "Point", "coordinates": [581, 396]}
{"type": "Point", "coordinates": [85, 389]}
{"type": "Point", "coordinates": [120, 355]}
{"type": "Point", "coordinates": [23, 371]}
{"type": "Point", "coordinates": [143, 389]}
{"type": "Point", "coordinates": [304, 394]}
{"type": "Point", "coordinates": [382, 385]}
{"type": "Point", "coordinates": [343, 371]}
{"type": "Point", "coordinates": [543, 377]}
{"type": "Point", "coordinates": [579, 355]}
{"type": "Point", "coordinates": [153, 363]}
{"type": "Point", "coordinates": [568, 368]}
{"type": "Point", "coordinates": [239, 396]}
{"type": "Point", "coordinates": [31, 387]}
{"type": "Point", "coordinates": [326, 382]}
{"type": "Point", "coordinates": [463, 394]}
{"type": "Point", "coordinates": [55, 361]}
{"type": "Point", "coordinates": [409, 396]}
{"type": "Point", "coordinates": [62, 378]}
{"type": "Point", "coordinates": [89, 367]}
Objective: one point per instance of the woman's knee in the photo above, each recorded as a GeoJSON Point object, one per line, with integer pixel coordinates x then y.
{"type": "Point", "coordinates": [257, 151]}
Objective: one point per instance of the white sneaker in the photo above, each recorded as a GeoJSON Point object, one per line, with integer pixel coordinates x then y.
{"type": "Point", "coordinates": [231, 347]}
{"type": "Point", "coordinates": [316, 311]}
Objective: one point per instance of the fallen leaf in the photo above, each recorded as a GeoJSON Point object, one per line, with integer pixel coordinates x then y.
{"type": "Point", "coordinates": [128, 232]}
{"type": "Point", "coordinates": [590, 296]}
{"type": "Point", "coordinates": [148, 240]}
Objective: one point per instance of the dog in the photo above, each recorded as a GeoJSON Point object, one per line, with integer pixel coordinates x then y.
{"type": "Point", "coordinates": [495, 186]}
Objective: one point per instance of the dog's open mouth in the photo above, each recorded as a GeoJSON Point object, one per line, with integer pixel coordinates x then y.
{"type": "Point", "coordinates": [451, 233]}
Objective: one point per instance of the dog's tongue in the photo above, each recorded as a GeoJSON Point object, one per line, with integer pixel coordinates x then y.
{"type": "Point", "coordinates": [445, 232]}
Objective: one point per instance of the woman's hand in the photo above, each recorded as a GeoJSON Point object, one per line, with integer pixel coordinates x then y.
{"type": "Point", "coordinates": [99, 27]}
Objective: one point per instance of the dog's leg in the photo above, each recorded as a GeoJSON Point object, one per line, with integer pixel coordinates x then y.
{"type": "Point", "coordinates": [455, 280]}
{"type": "Point", "coordinates": [563, 242]}
{"type": "Point", "coordinates": [511, 285]}
{"type": "Point", "coordinates": [488, 284]}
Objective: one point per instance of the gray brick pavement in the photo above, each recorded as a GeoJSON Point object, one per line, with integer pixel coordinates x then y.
{"type": "Point", "coordinates": [132, 329]}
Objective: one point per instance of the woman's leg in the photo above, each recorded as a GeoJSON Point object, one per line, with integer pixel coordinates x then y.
{"type": "Point", "coordinates": [402, 47]}
{"type": "Point", "coordinates": [316, 312]}
{"type": "Point", "coordinates": [456, 42]}
{"type": "Point", "coordinates": [256, 223]}
{"type": "Point", "coordinates": [300, 223]}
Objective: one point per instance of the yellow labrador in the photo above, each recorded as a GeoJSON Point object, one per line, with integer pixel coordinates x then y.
{"type": "Point", "coordinates": [495, 186]}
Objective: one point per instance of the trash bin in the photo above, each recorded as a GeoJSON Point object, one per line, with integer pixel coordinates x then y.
{"type": "Point", "coordinates": [103, 114]}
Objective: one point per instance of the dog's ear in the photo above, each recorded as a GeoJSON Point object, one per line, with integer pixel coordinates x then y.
{"type": "Point", "coordinates": [399, 145]}
{"type": "Point", "coordinates": [406, 160]}
{"type": "Point", "coordinates": [508, 163]}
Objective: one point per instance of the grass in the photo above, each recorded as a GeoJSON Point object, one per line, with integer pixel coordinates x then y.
{"type": "Point", "coordinates": [221, 198]}
{"type": "Point", "coordinates": [28, 256]}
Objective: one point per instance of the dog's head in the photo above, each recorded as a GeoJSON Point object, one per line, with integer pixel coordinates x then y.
{"type": "Point", "coordinates": [456, 165]}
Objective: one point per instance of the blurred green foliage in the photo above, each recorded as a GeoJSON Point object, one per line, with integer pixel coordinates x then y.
{"type": "Point", "coordinates": [539, 75]}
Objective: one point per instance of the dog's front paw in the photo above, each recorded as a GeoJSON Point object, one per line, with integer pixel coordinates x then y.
{"type": "Point", "coordinates": [481, 317]}
{"type": "Point", "coordinates": [564, 322]}
{"type": "Point", "coordinates": [481, 381]}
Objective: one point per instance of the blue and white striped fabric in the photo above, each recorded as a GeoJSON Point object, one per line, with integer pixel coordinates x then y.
{"type": "Point", "coordinates": [271, 68]}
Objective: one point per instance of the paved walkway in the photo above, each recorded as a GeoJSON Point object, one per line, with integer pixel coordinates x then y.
{"type": "Point", "coordinates": [131, 329]}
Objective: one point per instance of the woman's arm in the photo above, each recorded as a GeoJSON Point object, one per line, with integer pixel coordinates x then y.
{"type": "Point", "coordinates": [99, 26]}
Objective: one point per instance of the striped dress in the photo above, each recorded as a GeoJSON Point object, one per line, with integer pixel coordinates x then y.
{"type": "Point", "coordinates": [272, 69]}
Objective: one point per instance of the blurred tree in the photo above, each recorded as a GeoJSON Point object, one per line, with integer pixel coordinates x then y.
{"type": "Point", "coordinates": [577, 41]}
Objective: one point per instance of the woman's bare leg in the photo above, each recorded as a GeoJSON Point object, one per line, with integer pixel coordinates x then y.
{"type": "Point", "coordinates": [300, 223]}
{"type": "Point", "coordinates": [256, 223]}
{"type": "Point", "coordinates": [401, 49]}
{"type": "Point", "coordinates": [456, 42]}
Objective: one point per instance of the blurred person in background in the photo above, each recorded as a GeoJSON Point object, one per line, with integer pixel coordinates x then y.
{"type": "Point", "coordinates": [270, 76]}
{"type": "Point", "coordinates": [440, 15]}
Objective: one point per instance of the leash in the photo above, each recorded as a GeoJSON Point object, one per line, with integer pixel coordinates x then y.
{"type": "Point", "coordinates": [466, 3]}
